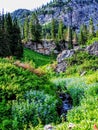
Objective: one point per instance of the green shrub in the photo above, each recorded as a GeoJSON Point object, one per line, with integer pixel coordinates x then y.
{"type": "Point", "coordinates": [60, 85]}
{"type": "Point", "coordinates": [37, 105]}
{"type": "Point", "coordinates": [92, 78]}
{"type": "Point", "coordinates": [95, 39]}
{"type": "Point", "coordinates": [92, 90]}
{"type": "Point", "coordinates": [81, 62]}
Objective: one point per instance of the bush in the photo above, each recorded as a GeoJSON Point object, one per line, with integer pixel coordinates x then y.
{"type": "Point", "coordinates": [89, 42]}
{"type": "Point", "coordinates": [92, 78]}
{"type": "Point", "coordinates": [37, 105]}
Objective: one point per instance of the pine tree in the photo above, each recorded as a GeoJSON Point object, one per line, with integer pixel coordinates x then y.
{"type": "Point", "coordinates": [16, 37]}
{"type": "Point", "coordinates": [26, 29]}
{"type": "Point", "coordinates": [69, 37]}
{"type": "Point", "coordinates": [91, 29]}
{"type": "Point", "coordinates": [10, 39]}
{"type": "Point", "coordinates": [53, 29]}
{"type": "Point", "coordinates": [83, 35]}
{"type": "Point", "coordinates": [30, 29]}
{"type": "Point", "coordinates": [80, 37]}
{"type": "Point", "coordinates": [9, 31]}
{"type": "Point", "coordinates": [75, 38]}
{"type": "Point", "coordinates": [60, 31]}
{"type": "Point", "coordinates": [35, 28]}
{"type": "Point", "coordinates": [4, 45]}
{"type": "Point", "coordinates": [65, 34]}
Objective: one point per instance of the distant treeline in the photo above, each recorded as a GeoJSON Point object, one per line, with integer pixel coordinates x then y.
{"type": "Point", "coordinates": [57, 31]}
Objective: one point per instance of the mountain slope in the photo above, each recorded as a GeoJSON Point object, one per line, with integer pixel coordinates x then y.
{"type": "Point", "coordinates": [81, 10]}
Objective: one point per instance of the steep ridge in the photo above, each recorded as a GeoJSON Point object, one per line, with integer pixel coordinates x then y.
{"type": "Point", "coordinates": [80, 10]}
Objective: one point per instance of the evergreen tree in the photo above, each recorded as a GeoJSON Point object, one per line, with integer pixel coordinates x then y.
{"type": "Point", "coordinates": [4, 45]}
{"type": "Point", "coordinates": [60, 31]}
{"type": "Point", "coordinates": [65, 34]}
{"type": "Point", "coordinates": [10, 39]}
{"type": "Point", "coordinates": [35, 28]}
{"type": "Point", "coordinates": [26, 29]}
{"type": "Point", "coordinates": [16, 37]}
{"type": "Point", "coordinates": [9, 31]}
{"type": "Point", "coordinates": [85, 33]}
{"type": "Point", "coordinates": [91, 28]}
{"type": "Point", "coordinates": [81, 37]}
{"type": "Point", "coordinates": [53, 29]}
{"type": "Point", "coordinates": [75, 38]}
{"type": "Point", "coordinates": [69, 37]}
{"type": "Point", "coordinates": [30, 29]}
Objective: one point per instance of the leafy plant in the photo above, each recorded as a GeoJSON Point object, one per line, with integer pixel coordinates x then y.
{"type": "Point", "coordinates": [37, 105]}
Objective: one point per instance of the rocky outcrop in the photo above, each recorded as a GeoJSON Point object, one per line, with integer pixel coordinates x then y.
{"type": "Point", "coordinates": [45, 47]}
{"type": "Point", "coordinates": [61, 58]}
{"type": "Point", "coordinates": [93, 49]}
{"type": "Point", "coordinates": [65, 54]}
{"type": "Point", "coordinates": [61, 62]}
{"type": "Point", "coordinates": [82, 11]}
{"type": "Point", "coordinates": [61, 67]}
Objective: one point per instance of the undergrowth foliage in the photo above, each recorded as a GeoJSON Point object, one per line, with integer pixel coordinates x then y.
{"type": "Point", "coordinates": [29, 101]}
{"type": "Point", "coordinates": [81, 62]}
{"type": "Point", "coordinates": [36, 106]}
{"type": "Point", "coordinates": [25, 97]}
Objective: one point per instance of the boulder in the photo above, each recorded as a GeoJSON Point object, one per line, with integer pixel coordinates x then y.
{"type": "Point", "coordinates": [93, 49]}
{"type": "Point", "coordinates": [62, 64]}
{"type": "Point", "coordinates": [61, 67]}
{"type": "Point", "coordinates": [65, 54]}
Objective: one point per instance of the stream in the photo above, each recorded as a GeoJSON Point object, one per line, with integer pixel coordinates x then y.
{"type": "Point", "coordinates": [66, 104]}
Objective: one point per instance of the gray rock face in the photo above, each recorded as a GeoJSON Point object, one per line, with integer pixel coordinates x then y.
{"type": "Point", "coordinates": [46, 47]}
{"type": "Point", "coordinates": [61, 67]}
{"type": "Point", "coordinates": [82, 11]}
{"type": "Point", "coordinates": [62, 64]}
{"type": "Point", "coordinates": [93, 49]}
{"type": "Point", "coordinates": [61, 58]}
{"type": "Point", "coordinates": [65, 54]}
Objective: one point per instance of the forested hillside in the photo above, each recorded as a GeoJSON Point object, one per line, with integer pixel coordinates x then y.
{"type": "Point", "coordinates": [73, 22]}
{"type": "Point", "coordinates": [81, 11]}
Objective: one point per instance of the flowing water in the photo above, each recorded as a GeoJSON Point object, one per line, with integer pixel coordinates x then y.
{"type": "Point", "coordinates": [66, 103]}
